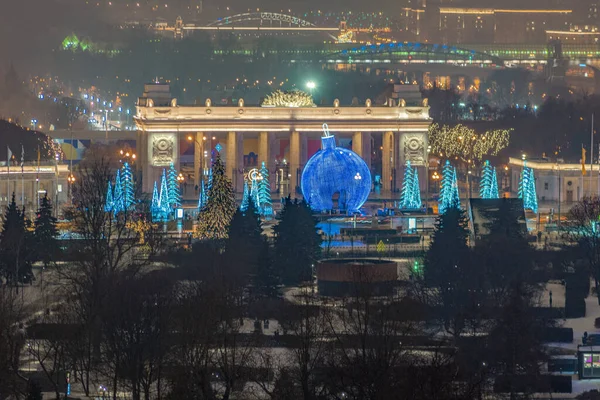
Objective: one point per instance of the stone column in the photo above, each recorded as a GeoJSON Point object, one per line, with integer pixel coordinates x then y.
{"type": "Point", "coordinates": [198, 158]}
{"type": "Point", "coordinates": [387, 159]}
{"type": "Point", "coordinates": [361, 145]}
{"type": "Point", "coordinates": [357, 143]}
{"type": "Point", "coordinates": [235, 158]}
{"type": "Point", "coordinates": [397, 165]}
{"type": "Point", "coordinates": [264, 149]}
{"type": "Point", "coordinates": [295, 154]}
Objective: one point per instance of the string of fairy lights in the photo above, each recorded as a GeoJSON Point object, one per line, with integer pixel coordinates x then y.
{"type": "Point", "coordinates": [462, 143]}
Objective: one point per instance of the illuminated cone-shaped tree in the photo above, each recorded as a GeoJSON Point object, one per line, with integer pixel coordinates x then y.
{"type": "Point", "coordinates": [108, 200]}
{"type": "Point", "coordinates": [214, 219]}
{"type": "Point", "coordinates": [407, 196]}
{"type": "Point", "coordinates": [155, 206]}
{"type": "Point", "coordinates": [527, 190]}
{"type": "Point", "coordinates": [163, 197]}
{"type": "Point", "coordinates": [494, 189]}
{"type": "Point", "coordinates": [485, 184]}
{"type": "Point", "coordinates": [254, 192]}
{"type": "Point", "coordinates": [118, 203]}
{"type": "Point", "coordinates": [449, 193]}
{"type": "Point", "coordinates": [416, 190]}
{"type": "Point", "coordinates": [202, 196]}
{"type": "Point", "coordinates": [128, 186]}
{"type": "Point", "coordinates": [173, 187]}
{"type": "Point", "coordinates": [245, 197]}
{"type": "Point", "coordinates": [264, 193]}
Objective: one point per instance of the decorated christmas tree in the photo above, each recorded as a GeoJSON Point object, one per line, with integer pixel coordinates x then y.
{"type": "Point", "coordinates": [527, 190]}
{"type": "Point", "coordinates": [449, 193]}
{"type": "Point", "coordinates": [155, 206]}
{"type": "Point", "coordinates": [118, 201]}
{"type": "Point", "coordinates": [128, 186]}
{"type": "Point", "coordinates": [264, 193]}
{"type": "Point", "coordinates": [494, 189]}
{"type": "Point", "coordinates": [416, 190]}
{"type": "Point", "coordinates": [214, 219]}
{"type": "Point", "coordinates": [173, 187]}
{"type": "Point", "coordinates": [245, 197]}
{"type": "Point", "coordinates": [108, 200]}
{"type": "Point", "coordinates": [485, 184]}
{"type": "Point", "coordinates": [163, 197]}
{"type": "Point", "coordinates": [407, 195]}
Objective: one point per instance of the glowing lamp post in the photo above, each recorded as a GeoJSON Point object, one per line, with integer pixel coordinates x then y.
{"type": "Point", "coordinates": [436, 178]}
{"type": "Point", "coordinates": [311, 85]}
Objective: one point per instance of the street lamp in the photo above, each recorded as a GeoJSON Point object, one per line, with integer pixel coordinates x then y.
{"type": "Point", "coordinates": [311, 85]}
{"type": "Point", "coordinates": [436, 178]}
{"type": "Point", "coordinates": [128, 155]}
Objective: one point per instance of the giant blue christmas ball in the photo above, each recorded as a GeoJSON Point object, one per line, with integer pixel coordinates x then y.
{"type": "Point", "coordinates": [335, 170]}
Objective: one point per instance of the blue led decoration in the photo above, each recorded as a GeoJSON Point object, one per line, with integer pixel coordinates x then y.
{"type": "Point", "coordinates": [527, 190]}
{"type": "Point", "coordinates": [155, 207]}
{"type": "Point", "coordinates": [335, 170]}
{"type": "Point", "coordinates": [118, 198]}
{"type": "Point", "coordinates": [416, 190]}
{"type": "Point", "coordinates": [218, 147]}
{"type": "Point", "coordinates": [202, 196]}
{"type": "Point", "coordinates": [173, 187]}
{"type": "Point", "coordinates": [410, 198]}
{"type": "Point", "coordinates": [245, 197]}
{"type": "Point", "coordinates": [494, 189]}
{"type": "Point", "coordinates": [128, 186]}
{"type": "Point", "coordinates": [449, 192]}
{"type": "Point", "coordinates": [265, 204]}
{"type": "Point", "coordinates": [108, 200]}
{"type": "Point", "coordinates": [486, 182]}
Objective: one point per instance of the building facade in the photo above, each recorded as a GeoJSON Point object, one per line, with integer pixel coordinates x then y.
{"type": "Point", "coordinates": [556, 181]}
{"type": "Point", "coordinates": [283, 138]}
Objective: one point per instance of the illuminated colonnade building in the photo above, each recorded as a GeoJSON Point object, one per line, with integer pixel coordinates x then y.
{"type": "Point", "coordinates": [284, 136]}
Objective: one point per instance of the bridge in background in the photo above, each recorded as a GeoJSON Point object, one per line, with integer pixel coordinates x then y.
{"type": "Point", "coordinates": [255, 21]}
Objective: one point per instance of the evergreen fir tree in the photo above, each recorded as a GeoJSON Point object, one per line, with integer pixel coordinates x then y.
{"type": "Point", "coordinates": [407, 195]}
{"type": "Point", "coordinates": [449, 270]}
{"type": "Point", "coordinates": [416, 190]}
{"type": "Point", "coordinates": [118, 200]}
{"type": "Point", "coordinates": [494, 189]}
{"type": "Point", "coordinates": [214, 219]}
{"type": "Point", "coordinates": [449, 193]}
{"type": "Point", "coordinates": [485, 184]}
{"type": "Point", "coordinates": [108, 201]}
{"type": "Point", "coordinates": [297, 243]}
{"type": "Point", "coordinates": [45, 233]}
{"type": "Point", "coordinates": [155, 206]}
{"type": "Point", "coordinates": [265, 280]}
{"type": "Point", "coordinates": [163, 197]}
{"type": "Point", "coordinates": [244, 239]}
{"type": "Point", "coordinates": [14, 246]}
{"type": "Point", "coordinates": [265, 203]}
{"type": "Point", "coordinates": [245, 197]}
{"type": "Point", "coordinates": [173, 187]}
{"type": "Point", "coordinates": [128, 186]}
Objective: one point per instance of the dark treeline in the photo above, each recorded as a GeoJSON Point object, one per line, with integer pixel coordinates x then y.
{"type": "Point", "coordinates": [236, 315]}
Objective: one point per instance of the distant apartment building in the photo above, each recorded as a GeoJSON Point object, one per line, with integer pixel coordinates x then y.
{"type": "Point", "coordinates": [498, 25]}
